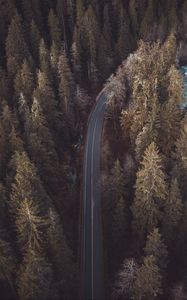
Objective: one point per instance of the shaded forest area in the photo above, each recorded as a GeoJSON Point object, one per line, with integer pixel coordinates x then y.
{"type": "Point", "coordinates": [53, 55]}
{"type": "Point", "coordinates": [144, 185]}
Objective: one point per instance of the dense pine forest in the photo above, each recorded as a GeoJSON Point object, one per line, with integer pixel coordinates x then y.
{"type": "Point", "coordinates": [55, 57]}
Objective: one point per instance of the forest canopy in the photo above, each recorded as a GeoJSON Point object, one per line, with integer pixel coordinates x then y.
{"type": "Point", "coordinates": [55, 57]}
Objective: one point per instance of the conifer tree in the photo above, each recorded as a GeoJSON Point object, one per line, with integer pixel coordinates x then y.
{"type": "Point", "coordinates": [3, 205]}
{"type": "Point", "coordinates": [125, 280]}
{"type": "Point", "coordinates": [62, 256]}
{"type": "Point", "coordinates": [8, 261]}
{"type": "Point", "coordinates": [3, 151]}
{"type": "Point", "coordinates": [66, 90]}
{"type": "Point", "coordinates": [105, 59]}
{"type": "Point", "coordinates": [8, 10]}
{"type": "Point", "coordinates": [30, 226]}
{"type": "Point", "coordinates": [120, 226]}
{"type": "Point", "coordinates": [54, 57]}
{"type": "Point", "coordinates": [41, 145]}
{"type": "Point", "coordinates": [184, 19]}
{"type": "Point", "coordinates": [35, 38]}
{"type": "Point", "coordinates": [7, 118]}
{"type": "Point", "coordinates": [162, 27]}
{"type": "Point", "coordinates": [24, 114]}
{"type": "Point", "coordinates": [32, 11]}
{"type": "Point", "coordinates": [155, 246]}
{"type": "Point", "coordinates": [169, 50]}
{"type": "Point", "coordinates": [16, 47]}
{"type": "Point", "coordinates": [150, 193]}
{"type": "Point", "coordinates": [44, 93]}
{"type": "Point", "coordinates": [4, 85]}
{"type": "Point", "coordinates": [61, 11]}
{"type": "Point", "coordinates": [173, 211]}
{"type": "Point", "coordinates": [133, 16]}
{"type": "Point", "coordinates": [107, 27]}
{"type": "Point", "coordinates": [123, 46]}
{"type": "Point", "coordinates": [44, 59]}
{"type": "Point", "coordinates": [178, 291]}
{"type": "Point", "coordinates": [170, 112]}
{"type": "Point", "coordinates": [76, 54]}
{"type": "Point", "coordinates": [79, 13]}
{"type": "Point", "coordinates": [180, 155]}
{"type": "Point", "coordinates": [149, 132]}
{"type": "Point", "coordinates": [26, 184]}
{"type": "Point", "coordinates": [24, 82]}
{"type": "Point", "coordinates": [70, 12]}
{"type": "Point", "coordinates": [54, 29]}
{"type": "Point", "coordinates": [117, 180]}
{"type": "Point", "coordinates": [35, 278]}
{"type": "Point", "coordinates": [15, 141]}
{"type": "Point", "coordinates": [147, 31]}
{"type": "Point", "coordinates": [175, 86]}
{"type": "Point", "coordinates": [126, 121]}
{"type": "Point", "coordinates": [148, 283]}
{"type": "Point", "coordinates": [91, 37]}
{"type": "Point", "coordinates": [173, 17]}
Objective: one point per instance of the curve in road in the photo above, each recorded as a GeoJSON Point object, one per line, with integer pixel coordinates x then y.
{"type": "Point", "coordinates": [92, 277]}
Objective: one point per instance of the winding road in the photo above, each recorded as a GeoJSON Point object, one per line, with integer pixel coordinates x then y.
{"type": "Point", "coordinates": [92, 269]}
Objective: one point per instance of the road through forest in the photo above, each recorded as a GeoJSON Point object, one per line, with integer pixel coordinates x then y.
{"type": "Point", "coordinates": [92, 268]}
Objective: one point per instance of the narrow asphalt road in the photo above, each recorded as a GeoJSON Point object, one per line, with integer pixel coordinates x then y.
{"type": "Point", "coordinates": [92, 277]}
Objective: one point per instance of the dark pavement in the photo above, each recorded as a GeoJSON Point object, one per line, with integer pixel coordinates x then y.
{"type": "Point", "coordinates": [92, 268]}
